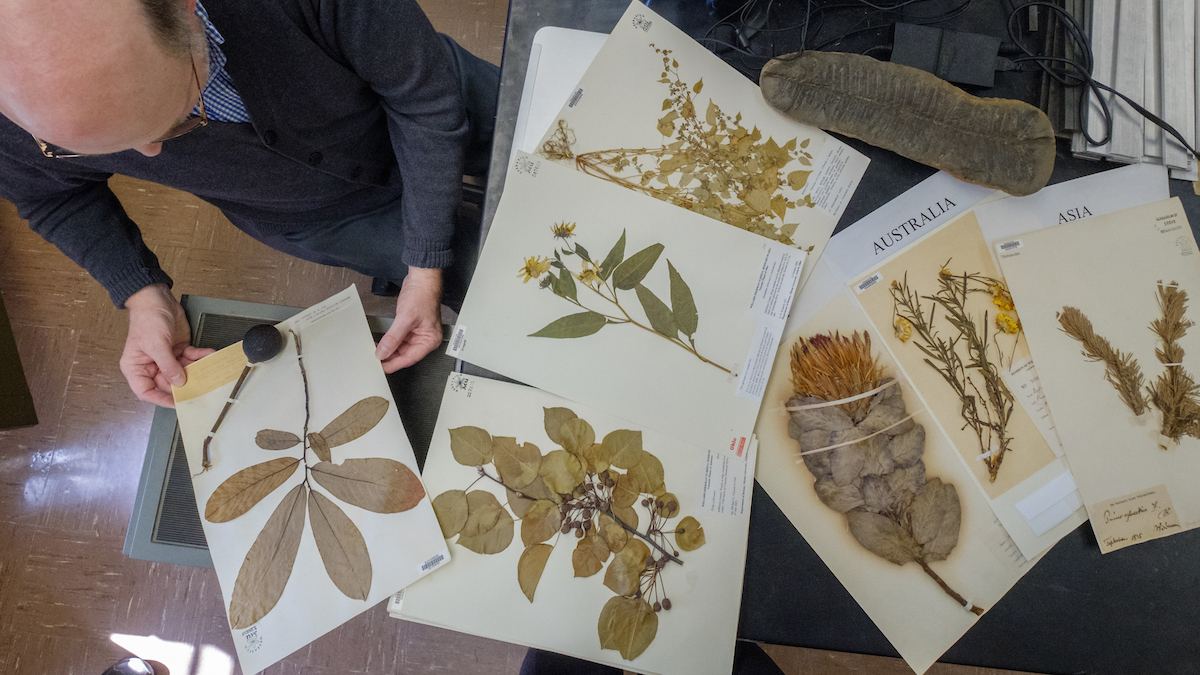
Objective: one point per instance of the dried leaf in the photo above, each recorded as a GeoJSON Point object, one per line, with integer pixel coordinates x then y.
{"type": "Point", "coordinates": [998, 143]}
{"type": "Point", "coordinates": [689, 535]}
{"type": "Point", "coordinates": [530, 567]}
{"type": "Point", "coordinates": [589, 555]}
{"type": "Point", "coordinates": [538, 490]}
{"type": "Point", "coordinates": [840, 498]}
{"type": "Point", "coordinates": [561, 471]}
{"type": "Point", "coordinates": [554, 419]}
{"type": "Point", "coordinates": [519, 505]}
{"type": "Point", "coordinates": [826, 419]}
{"type": "Point", "coordinates": [576, 436]}
{"type": "Point", "coordinates": [878, 495]}
{"type": "Point", "coordinates": [883, 537]}
{"type": "Point", "coordinates": [615, 257]}
{"type": "Point", "coordinates": [494, 540]}
{"type": "Point", "coordinates": [269, 439]}
{"type": "Point", "coordinates": [598, 458]}
{"type": "Point", "coordinates": [626, 515]}
{"type": "Point", "coordinates": [625, 571]}
{"type": "Point", "coordinates": [631, 272]}
{"type": "Point", "coordinates": [540, 522]}
{"type": "Point", "coordinates": [847, 462]}
{"type": "Point", "coordinates": [666, 505]}
{"type": "Point", "coordinates": [471, 446]}
{"type": "Point", "coordinates": [341, 545]}
{"type": "Point", "coordinates": [649, 474]}
{"type": "Point", "coordinates": [907, 448]}
{"type": "Point", "coordinates": [320, 447]}
{"type": "Point", "coordinates": [564, 284]}
{"type": "Point", "coordinates": [626, 491]}
{"type": "Point", "coordinates": [241, 491]}
{"type": "Point", "coordinates": [627, 625]}
{"type": "Point", "coordinates": [356, 421]}
{"type": "Point", "coordinates": [683, 305]}
{"type": "Point", "coordinates": [936, 517]}
{"type": "Point", "coordinates": [376, 484]}
{"type": "Point", "coordinates": [268, 564]}
{"type": "Point", "coordinates": [798, 179]}
{"type": "Point", "coordinates": [624, 448]}
{"type": "Point", "coordinates": [660, 316]}
{"type": "Point", "coordinates": [614, 536]}
{"type": "Point", "coordinates": [483, 512]}
{"type": "Point", "coordinates": [450, 507]}
{"type": "Point", "coordinates": [906, 483]}
{"type": "Point", "coordinates": [518, 464]}
{"type": "Point", "coordinates": [699, 85]}
{"type": "Point", "coordinates": [578, 325]}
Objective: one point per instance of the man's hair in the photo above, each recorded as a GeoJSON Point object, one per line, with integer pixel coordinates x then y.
{"type": "Point", "coordinates": [168, 22]}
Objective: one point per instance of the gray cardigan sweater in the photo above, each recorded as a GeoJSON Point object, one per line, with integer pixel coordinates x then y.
{"type": "Point", "coordinates": [353, 103]}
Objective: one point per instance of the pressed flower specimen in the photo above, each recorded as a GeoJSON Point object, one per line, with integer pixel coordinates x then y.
{"type": "Point", "coordinates": [974, 376]}
{"type": "Point", "coordinates": [708, 164]}
{"type": "Point", "coordinates": [866, 455]}
{"type": "Point", "coordinates": [589, 488]}
{"type": "Point", "coordinates": [602, 281]}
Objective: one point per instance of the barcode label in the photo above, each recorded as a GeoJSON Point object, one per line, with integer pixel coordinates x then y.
{"type": "Point", "coordinates": [457, 341]}
{"type": "Point", "coordinates": [1012, 245]}
{"type": "Point", "coordinates": [433, 562]}
{"type": "Point", "coordinates": [869, 282]}
{"type": "Point", "coordinates": [575, 98]}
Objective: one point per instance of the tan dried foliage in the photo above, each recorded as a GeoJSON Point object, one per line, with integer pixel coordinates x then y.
{"type": "Point", "coordinates": [624, 448]}
{"type": "Point", "coordinates": [836, 367]}
{"type": "Point", "coordinates": [471, 446]}
{"type": "Point", "coordinates": [554, 420]}
{"type": "Point", "coordinates": [1174, 392]}
{"type": "Point", "coordinates": [598, 458]}
{"type": "Point", "coordinates": [268, 564]}
{"type": "Point", "coordinates": [494, 540]}
{"type": "Point", "coordinates": [241, 491]}
{"type": "Point", "coordinates": [483, 511]}
{"type": "Point", "coordinates": [518, 464]}
{"type": "Point", "coordinates": [450, 507]}
{"type": "Point", "coordinates": [625, 571]}
{"type": "Point", "coordinates": [626, 491]}
{"type": "Point", "coordinates": [540, 522]}
{"type": "Point", "coordinates": [270, 439]}
{"type": "Point", "coordinates": [356, 421]}
{"type": "Point", "coordinates": [1121, 369]}
{"type": "Point", "coordinates": [320, 447]}
{"type": "Point", "coordinates": [530, 567]}
{"type": "Point", "coordinates": [689, 535]}
{"type": "Point", "coordinates": [666, 505]}
{"type": "Point", "coordinates": [561, 471]}
{"type": "Point", "coordinates": [376, 484]}
{"type": "Point", "coordinates": [649, 474]}
{"type": "Point", "coordinates": [577, 436]}
{"type": "Point", "coordinates": [627, 625]}
{"type": "Point", "coordinates": [589, 555]}
{"type": "Point", "coordinates": [342, 547]}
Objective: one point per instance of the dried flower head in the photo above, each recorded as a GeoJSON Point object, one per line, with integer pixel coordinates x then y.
{"type": "Point", "coordinates": [1008, 324]}
{"type": "Point", "coordinates": [534, 268]}
{"type": "Point", "coordinates": [835, 367]}
{"type": "Point", "coordinates": [563, 230]}
{"type": "Point", "coordinates": [903, 328]}
{"type": "Point", "coordinates": [590, 274]}
{"type": "Point", "coordinates": [546, 281]}
{"type": "Point", "coordinates": [1001, 297]}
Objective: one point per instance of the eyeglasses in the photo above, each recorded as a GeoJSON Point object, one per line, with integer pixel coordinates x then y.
{"type": "Point", "coordinates": [187, 126]}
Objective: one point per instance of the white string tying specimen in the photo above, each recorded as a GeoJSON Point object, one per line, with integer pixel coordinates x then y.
{"type": "Point", "coordinates": [858, 397]}
{"type": "Point", "coordinates": [1172, 364]}
{"type": "Point", "coordinates": [858, 440]}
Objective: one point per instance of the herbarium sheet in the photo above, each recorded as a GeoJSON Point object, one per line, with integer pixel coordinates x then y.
{"type": "Point", "coordinates": [854, 459]}
{"type": "Point", "coordinates": [652, 313]}
{"type": "Point", "coordinates": [949, 320]}
{"type": "Point", "coordinates": [308, 489]}
{"type": "Point", "coordinates": [574, 531]}
{"type": "Point", "coordinates": [1109, 304]}
{"type": "Point", "coordinates": [659, 114]}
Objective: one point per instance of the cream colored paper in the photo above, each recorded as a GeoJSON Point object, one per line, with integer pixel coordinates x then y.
{"type": "Point", "coordinates": [1030, 463]}
{"type": "Point", "coordinates": [1132, 519]}
{"type": "Point", "coordinates": [911, 610]}
{"type": "Point", "coordinates": [630, 114]}
{"type": "Point", "coordinates": [685, 387]}
{"type": "Point", "coordinates": [339, 358]}
{"type": "Point", "coordinates": [1108, 267]}
{"type": "Point", "coordinates": [480, 594]}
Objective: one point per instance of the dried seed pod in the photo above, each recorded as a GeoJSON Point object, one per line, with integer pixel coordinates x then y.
{"type": "Point", "coordinates": [666, 604]}
{"type": "Point", "coordinates": [565, 528]}
{"type": "Point", "coordinates": [996, 143]}
{"type": "Point", "coordinates": [262, 343]}
{"type": "Point", "coordinates": [658, 607]}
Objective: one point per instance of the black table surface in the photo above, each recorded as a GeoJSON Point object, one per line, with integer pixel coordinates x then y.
{"type": "Point", "coordinates": [1077, 612]}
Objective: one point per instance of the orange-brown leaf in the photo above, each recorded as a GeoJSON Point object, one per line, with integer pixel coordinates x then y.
{"type": "Point", "coordinates": [356, 421]}
{"type": "Point", "coordinates": [530, 567]}
{"type": "Point", "coordinates": [342, 547]}
{"type": "Point", "coordinates": [320, 447]}
{"type": "Point", "coordinates": [376, 484]}
{"type": "Point", "coordinates": [241, 491]}
{"type": "Point", "coordinates": [270, 439]}
{"type": "Point", "coordinates": [268, 564]}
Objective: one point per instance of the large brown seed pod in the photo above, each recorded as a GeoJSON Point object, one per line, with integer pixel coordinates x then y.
{"type": "Point", "coordinates": [997, 143]}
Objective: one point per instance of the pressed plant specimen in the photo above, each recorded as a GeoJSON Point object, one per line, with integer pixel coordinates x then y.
{"type": "Point", "coordinates": [377, 484]}
{"type": "Point", "coordinates": [676, 323]}
{"type": "Point", "coordinates": [1120, 368]}
{"type": "Point", "coordinates": [866, 455]}
{"type": "Point", "coordinates": [708, 164]}
{"type": "Point", "coordinates": [985, 411]}
{"type": "Point", "coordinates": [588, 489]}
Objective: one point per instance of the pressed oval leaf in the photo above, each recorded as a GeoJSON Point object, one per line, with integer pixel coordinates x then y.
{"type": "Point", "coordinates": [627, 625]}
{"type": "Point", "coordinates": [683, 305]}
{"type": "Point", "coordinates": [666, 505]}
{"type": "Point", "coordinates": [578, 325]}
{"type": "Point", "coordinates": [450, 507]}
{"type": "Point", "coordinates": [483, 512]}
{"type": "Point", "coordinates": [561, 471]}
{"type": "Point", "coordinates": [936, 517]}
{"type": "Point", "coordinates": [540, 522]}
{"type": "Point", "coordinates": [660, 316]}
{"type": "Point", "coordinates": [626, 491]}
{"type": "Point", "coordinates": [631, 272]}
{"type": "Point", "coordinates": [268, 564]}
{"type": "Point", "coordinates": [576, 436]}
{"type": "Point", "coordinates": [518, 504]}
{"type": "Point", "coordinates": [649, 474]}
{"type": "Point", "coordinates": [518, 464]}
{"type": "Point", "coordinates": [614, 257]}
{"type": "Point", "coordinates": [614, 536]}
{"type": "Point", "coordinates": [626, 515]}
{"type": "Point", "coordinates": [589, 555]}
{"type": "Point", "coordinates": [471, 446]}
{"type": "Point", "coordinates": [597, 458]}
{"type": "Point", "coordinates": [689, 535]}
{"type": "Point", "coordinates": [530, 567]}
{"type": "Point", "coordinates": [882, 536]}
{"type": "Point", "coordinates": [356, 421]}
{"type": "Point", "coordinates": [241, 491]}
{"type": "Point", "coordinates": [320, 447]}
{"type": "Point", "coordinates": [341, 545]}
{"type": "Point", "coordinates": [625, 571]}
{"type": "Point", "coordinates": [553, 419]}
{"type": "Point", "coordinates": [494, 540]}
{"type": "Point", "coordinates": [270, 439]}
{"type": "Point", "coordinates": [624, 448]}
{"type": "Point", "coordinates": [376, 484]}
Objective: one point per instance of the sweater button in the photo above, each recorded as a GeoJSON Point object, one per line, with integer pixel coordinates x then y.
{"type": "Point", "coordinates": [356, 172]}
{"type": "Point", "coordinates": [269, 137]}
{"type": "Point", "coordinates": [314, 159]}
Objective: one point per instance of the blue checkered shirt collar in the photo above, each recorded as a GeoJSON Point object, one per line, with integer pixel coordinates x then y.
{"type": "Point", "coordinates": [221, 101]}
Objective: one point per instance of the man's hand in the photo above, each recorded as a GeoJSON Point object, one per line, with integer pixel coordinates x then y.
{"type": "Point", "coordinates": [417, 329]}
{"type": "Point", "coordinates": [158, 345]}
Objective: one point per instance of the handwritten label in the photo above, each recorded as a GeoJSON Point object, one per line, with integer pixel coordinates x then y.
{"type": "Point", "coordinates": [727, 484]}
{"type": "Point", "coordinates": [1133, 519]}
{"type": "Point", "coordinates": [1022, 380]}
{"type": "Point", "coordinates": [753, 380]}
{"type": "Point", "coordinates": [777, 281]}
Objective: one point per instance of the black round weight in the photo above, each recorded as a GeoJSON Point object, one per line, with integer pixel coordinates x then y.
{"type": "Point", "coordinates": [262, 343]}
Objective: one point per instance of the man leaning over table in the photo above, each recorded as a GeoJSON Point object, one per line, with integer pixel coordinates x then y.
{"type": "Point", "coordinates": [337, 131]}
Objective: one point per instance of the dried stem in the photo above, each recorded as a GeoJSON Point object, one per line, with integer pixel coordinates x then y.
{"type": "Point", "coordinates": [1121, 369]}
{"type": "Point", "coordinates": [1174, 392]}
{"type": "Point", "coordinates": [974, 609]}
{"type": "Point", "coordinates": [307, 401]}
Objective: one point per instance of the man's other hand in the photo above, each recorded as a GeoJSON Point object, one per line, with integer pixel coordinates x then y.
{"type": "Point", "coordinates": [417, 329]}
{"type": "Point", "coordinates": [158, 345]}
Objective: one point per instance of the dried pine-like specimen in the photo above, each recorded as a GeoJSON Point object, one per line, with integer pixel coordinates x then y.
{"type": "Point", "coordinates": [1174, 392]}
{"type": "Point", "coordinates": [997, 143]}
{"type": "Point", "coordinates": [1121, 369]}
{"type": "Point", "coordinates": [878, 482]}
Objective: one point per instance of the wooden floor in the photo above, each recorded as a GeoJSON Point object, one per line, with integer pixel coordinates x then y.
{"type": "Point", "coordinates": [70, 601]}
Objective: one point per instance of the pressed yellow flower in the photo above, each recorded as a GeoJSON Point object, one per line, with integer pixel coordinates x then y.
{"type": "Point", "coordinates": [590, 274]}
{"type": "Point", "coordinates": [534, 268]}
{"type": "Point", "coordinates": [1001, 297]}
{"type": "Point", "coordinates": [903, 328]}
{"type": "Point", "coordinates": [1008, 324]}
{"type": "Point", "coordinates": [945, 273]}
{"type": "Point", "coordinates": [563, 230]}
